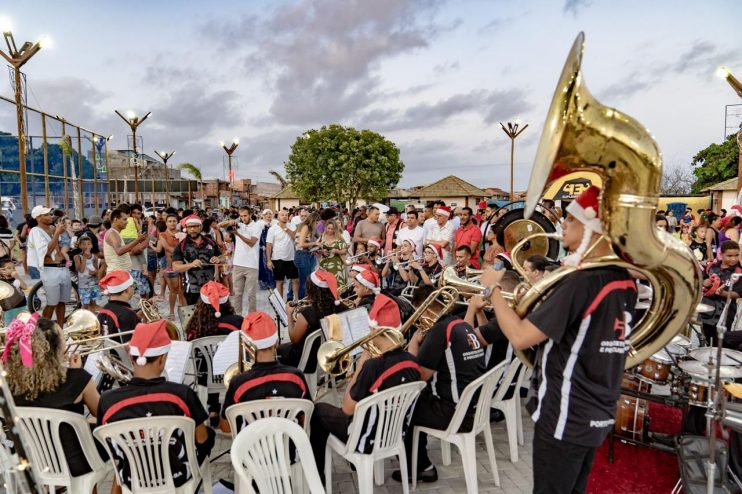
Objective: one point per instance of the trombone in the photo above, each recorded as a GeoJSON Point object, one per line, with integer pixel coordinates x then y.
{"type": "Point", "coordinates": [246, 357]}
{"type": "Point", "coordinates": [334, 358]}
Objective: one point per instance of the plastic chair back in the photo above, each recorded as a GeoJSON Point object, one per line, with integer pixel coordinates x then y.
{"type": "Point", "coordinates": [307, 350]}
{"type": "Point", "coordinates": [185, 313]}
{"type": "Point", "coordinates": [260, 455]}
{"type": "Point", "coordinates": [204, 349]}
{"type": "Point", "coordinates": [485, 384]}
{"type": "Point", "coordinates": [293, 409]}
{"type": "Point", "coordinates": [515, 373]}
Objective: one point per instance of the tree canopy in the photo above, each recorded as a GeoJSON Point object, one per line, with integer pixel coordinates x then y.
{"type": "Point", "coordinates": [343, 164]}
{"type": "Point", "coordinates": [716, 163]}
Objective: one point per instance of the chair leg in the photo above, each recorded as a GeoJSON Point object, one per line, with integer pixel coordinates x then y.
{"type": "Point", "coordinates": [446, 452]}
{"type": "Point", "coordinates": [519, 416]}
{"type": "Point", "coordinates": [403, 470]}
{"type": "Point", "coordinates": [469, 459]}
{"type": "Point", "coordinates": [365, 474]}
{"type": "Point", "coordinates": [491, 454]}
{"type": "Point", "coordinates": [511, 423]}
{"type": "Point", "coordinates": [415, 443]}
{"type": "Point", "coordinates": [379, 472]}
{"type": "Point", "coordinates": [328, 470]}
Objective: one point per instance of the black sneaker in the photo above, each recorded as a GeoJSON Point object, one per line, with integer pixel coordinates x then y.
{"type": "Point", "coordinates": [430, 474]}
{"type": "Point", "coordinates": [496, 415]}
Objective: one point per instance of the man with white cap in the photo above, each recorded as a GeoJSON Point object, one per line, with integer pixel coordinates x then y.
{"type": "Point", "coordinates": [149, 394]}
{"type": "Point", "coordinates": [584, 324]}
{"type": "Point", "coordinates": [442, 233]}
{"type": "Point", "coordinates": [117, 316]}
{"type": "Point", "coordinates": [393, 367]}
{"type": "Point", "coordinates": [267, 378]}
{"type": "Point", "coordinates": [45, 254]}
{"type": "Point", "coordinates": [195, 256]}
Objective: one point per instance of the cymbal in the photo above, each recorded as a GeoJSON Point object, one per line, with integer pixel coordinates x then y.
{"type": "Point", "coordinates": [704, 308]}
{"type": "Point", "coordinates": [728, 357]}
{"type": "Point", "coordinates": [6, 290]}
{"type": "Point", "coordinates": [681, 340]}
{"type": "Point", "coordinates": [701, 370]}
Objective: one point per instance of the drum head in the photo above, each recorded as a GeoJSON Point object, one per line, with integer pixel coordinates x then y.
{"type": "Point", "coordinates": [662, 356]}
{"type": "Point", "coordinates": [681, 340]}
{"type": "Point", "coordinates": [728, 357]}
{"type": "Point", "coordinates": [516, 228]}
{"type": "Point", "coordinates": [700, 370]}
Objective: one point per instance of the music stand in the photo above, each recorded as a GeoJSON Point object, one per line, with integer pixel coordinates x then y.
{"type": "Point", "coordinates": [282, 318]}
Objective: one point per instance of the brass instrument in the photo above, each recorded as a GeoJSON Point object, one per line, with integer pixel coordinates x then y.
{"type": "Point", "coordinates": [82, 331]}
{"type": "Point", "coordinates": [152, 314]}
{"type": "Point", "coordinates": [246, 357]}
{"type": "Point", "coordinates": [515, 226]}
{"type": "Point", "coordinates": [467, 288]}
{"type": "Point", "coordinates": [334, 358]}
{"type": "Point", "coordinates": [380, 261]}
{"type": "Point", "coordinates": [438, 304]}
{"type": "Point", "coordinates": [349, 261]}
{"type": "Point", "coordinates": [404, 264]}
{"type": "Point", "coordinates": [305, 302]}
{"type": "Point", "coordinates": [581, 134]}
{"type": "Point", "coordinates": [113, 367]}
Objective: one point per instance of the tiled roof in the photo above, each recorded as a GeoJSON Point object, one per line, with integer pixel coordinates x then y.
{"type": "Point", "coordinates": [730, 184]}
{"type": "Point", "coordinates": [450, 186]}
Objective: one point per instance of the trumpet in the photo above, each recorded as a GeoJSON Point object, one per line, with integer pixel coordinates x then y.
{"type": "Point", "coordinates": [349, 261]}
{"type": "Point", "coordinates": [334, 358]}
{"type": "Point", "coordinates": [380, 261]}
{"type": "Point", "coordinates": [246, 357]}
{"type": "Point", "coordinates": [404, 264]}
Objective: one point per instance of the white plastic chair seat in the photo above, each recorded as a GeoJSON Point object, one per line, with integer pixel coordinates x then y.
{"type": "Point", "coordinates": [260, 454]}
{"type": "Point", "coordinates": [144, 442]}
{"type": "Point", "coordinates": [40, 429]}
{"type": "Point", "coordinates": [305, 354]}
{"type": "Point", "coordinates": [511, 407]}
{"type": "Point", "coordinates": [390, 408]}
{"type": "Point", "coordinates": [465, 441]}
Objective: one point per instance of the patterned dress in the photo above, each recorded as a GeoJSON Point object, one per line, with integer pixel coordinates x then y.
{"type": "Point", "coordinates": [335, 264]}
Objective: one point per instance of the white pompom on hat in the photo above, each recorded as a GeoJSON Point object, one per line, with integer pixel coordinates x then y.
{"type": "Point", "coordinates": [369, 279]}
{"type": "Point", "coordinates": [261, 329]}
{"type": "Point", "coordinates": [214, 293]}
{"type": "Point", "coordinates": [384, 313]}
{"type": "Point", "coordinates": [586, 210]}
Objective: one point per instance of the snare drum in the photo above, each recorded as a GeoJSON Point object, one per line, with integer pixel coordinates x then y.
{"type": "Point", "coordinates": [632, 413]}
{"type": "Point", "coordinates": [699, 390]}
{"type": "Point", "coordinates": [656, 369]}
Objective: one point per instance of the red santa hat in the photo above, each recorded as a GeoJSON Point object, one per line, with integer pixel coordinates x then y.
{"type": "Point", "coordinates": [359, 268]}
{"type": "Point", "coordinates": [384, 312]}
{"type": "Point", "coordinates": [412, 243]}
{"type": "Point", "coordinates": [214, 293]}
{"type": "Point", "coordinates": [261, 329]}
{"type": "Point", "coordinates": [437, 250]}
{"type": "Point", "coordinates": [325, 279]}
{"type": "Point", "coordinates": [737, 209]}
{"type": "Point", "coordinates": [443, 211]}
{"type": "Point", "coordinates": [149, 340]}
{"type": "Point", "coordinates": [375, 242]}
{"type": "Point", "coordinates": [369, 279]}
{"type": "Point", "coordinates": [190, 220]}
{"type": "Point", "coordinates": [586, 210]}
{"type": "Point", "coordinates": [116, 282]}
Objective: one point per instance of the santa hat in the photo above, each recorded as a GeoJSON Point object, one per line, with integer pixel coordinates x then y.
{"type": "Point", "coordinates": [443, 211]}
{"type": "Point", "coordinates": [359, 268]}
{"type": "Point", "coordinates": [261, 329]}
{"type": "Point", "coordinates": [737, 209]}
{"type": "Point", "coordinates": [412, 243]}
{"type": "Point", "coordinates": [116, 282]}
{"type": "Point", "coordinates": [384, 313]}
{"type": "Point", "coordinates": [375, 242]}
{"type": "Point", "coordinates": [325, 279]}
{"type": "Point", "coordinates": [190, 220]}
{"type": "Point", "coordinates": [369, 279]}
{"type": "Point", "coordinates": [437, 250]}
{"type": "Point", "coordinates": [214, 293]}
{"type": "Point", "coordinates": [586, 210]}
{"type": "Point", "coordinates": [149, 340]}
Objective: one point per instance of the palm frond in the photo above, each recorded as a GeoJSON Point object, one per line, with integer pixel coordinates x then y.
{"type": "Point", "coordinates": [192, 169]}
{"type": "Point", "coordinates": [281, 179]}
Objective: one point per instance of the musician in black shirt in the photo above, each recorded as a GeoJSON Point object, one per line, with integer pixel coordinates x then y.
{"type": "Point", "coordinates": [117, 316]}
{"type": "Point", "coordinates": [195, 256]}
{"type": "Point", "coordinates": [148, 394]}
{"type": "Point", "coordinates": [366, 285]}
{"type": "Point", "coordinates": [584, 323]}
{"type": "Point", "coordinates": [267, 378]}
{"type": "Point", "coordinates": [393, 367]}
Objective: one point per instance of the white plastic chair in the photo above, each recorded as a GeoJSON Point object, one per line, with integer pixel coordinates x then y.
{"type": "Point", "coordinates": [145, 444]}
{"type": "Point", "coordinates": [305, 354]}
{"type": "Point", "coordinates": [260, 454]}
{"type": "Point", "coordinates": [40, 428]}
{"type": "Point", "coordinates": [511, 407]}
{"type": "Point", "coordinates": [388, 409]}
{"type": "Point", "coordinates": [205, 348]}
{"type": "Point", "coordinates": [185, 313]}
{"type": "Point", "coordinates": [8, 464]}
{"type": "Point", "coordinates": [465, 440]}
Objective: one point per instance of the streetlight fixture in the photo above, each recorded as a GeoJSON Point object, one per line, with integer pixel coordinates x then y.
{"type": "Point", "coordinates": [17, 58]}
{"type": "Point", "coordinates": [133, 121]}
{"type": "Point", "coordinates": [727, 75]}
{"type": "Point", "coordinates": [513, 130]}
{"type": "Point", "coordinates": [164, 156]}
{"type": "Point", "coordinates": [230, 150]}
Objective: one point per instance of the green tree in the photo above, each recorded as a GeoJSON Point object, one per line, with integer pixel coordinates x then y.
{"type": "Point", "coordinates": [195, 173]}
{"type": "Point", "coordinates": [716, 163]}
{"type": "Point", "coordinates": [343, 164]}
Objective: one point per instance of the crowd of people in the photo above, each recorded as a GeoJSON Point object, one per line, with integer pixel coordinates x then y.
{"type": "Point", "coordinates": [324, 261]}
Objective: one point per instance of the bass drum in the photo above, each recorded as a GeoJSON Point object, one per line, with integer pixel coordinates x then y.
{"type": "Point", "coordinates": [515, 228]}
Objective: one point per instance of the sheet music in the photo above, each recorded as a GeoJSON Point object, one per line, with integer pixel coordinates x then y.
{"type": "Point", "coordinates": [276, 301]}
{"type": "Point", "coordinates": [91, 367]}
{"type": "Point", "coordinates": [177, 360]}
{"type": "Point", "coordinates": [226, 354]}
{"type": "Point", "coordinates": [354, 324]}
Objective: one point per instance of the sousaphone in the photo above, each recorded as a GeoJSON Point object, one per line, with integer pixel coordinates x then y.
{"type": "Point", "coordinates": [516, 227]}
{"type": "Point", "coordinates": [580, 134]}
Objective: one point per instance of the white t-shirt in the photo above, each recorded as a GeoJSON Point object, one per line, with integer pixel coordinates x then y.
{"type": "Point", "coordinates": [427, 226]}
{"type": "Point", "coordinates": [295, 221]}
{"type": "Point", "coordinates": [441, 233]}
{"type": "Point", "coordinates": [416, 235]}
{"type": "Point", "coordinates": [282, 242]}
{"type": "Point", "coordinates": [37, 247]}
{"type": "Point", "coordinates": [244, 255]}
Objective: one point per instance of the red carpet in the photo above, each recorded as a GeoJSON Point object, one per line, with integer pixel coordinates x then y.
{"type": "Point", "coordinates": [637, 469]}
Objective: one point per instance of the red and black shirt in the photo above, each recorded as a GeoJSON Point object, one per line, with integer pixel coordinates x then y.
{"type": "Point", "coordinates": [202, 249]}
{"type": "Point", "coordinates": [117, 317]}
{"type": "Point", "coordinates": [577, 380]}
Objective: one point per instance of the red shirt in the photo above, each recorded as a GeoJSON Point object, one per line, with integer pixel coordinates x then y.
{"type": "Point", "coordinates": [466, 235]}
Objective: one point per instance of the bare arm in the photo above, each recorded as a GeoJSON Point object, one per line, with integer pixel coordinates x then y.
{"type": "Point", "coordinates": [302, 243]}
{"type": "Point", "coordinates": [249, 241]}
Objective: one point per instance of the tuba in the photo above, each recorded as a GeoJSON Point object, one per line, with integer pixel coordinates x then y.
{"type": "Point", "coordinates": [580, 134]}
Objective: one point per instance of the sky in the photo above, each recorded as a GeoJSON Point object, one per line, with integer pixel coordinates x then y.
{"type": "Point", "coordinates": [435, 77]}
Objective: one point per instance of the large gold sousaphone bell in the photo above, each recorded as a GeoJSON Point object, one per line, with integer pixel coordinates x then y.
{"type": "Point", "coordinates": [580, 134]}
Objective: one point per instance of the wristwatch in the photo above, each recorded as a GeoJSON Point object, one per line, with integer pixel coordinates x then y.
{"type": "Point", "coordinates": [487, 293]}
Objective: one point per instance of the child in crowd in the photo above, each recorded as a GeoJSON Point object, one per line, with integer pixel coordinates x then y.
{"type": "Point", "coordinates": [698, 243]}
{"type": "Point", "coordinates": [17, 302]}
{"type": "Point", "coordinates": [716, 288]}
{"type": "Point", "coordinates": [87, 267]}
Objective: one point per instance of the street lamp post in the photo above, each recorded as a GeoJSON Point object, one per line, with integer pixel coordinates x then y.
{"type": "Point", "coordinates": [17, 58]}
{"type": "Point", "coordinates": [513, 130]}
{"type": "Point", "coordinates": [134, 121]}
{"type": "Point", "coordinates": [164, 156]}
{"type": "Point", "coordinates": [726, 74]}
{"type": "Point", "coordinates": [230, 150]}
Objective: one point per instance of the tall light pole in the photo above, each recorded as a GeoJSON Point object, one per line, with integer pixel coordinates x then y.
{"type": "Point", "coordinates": [134, 121]}
{"type": "Point", "coordinates": [726, 74]}
{"type": "Point", "coordinates": [230, 150]}
{"type": "Point", "coordinates": [164, 156]}
{"type": "Point", "coordinates": [513, 130]}
{"type": "Point", "coordinates": [17, 58]}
